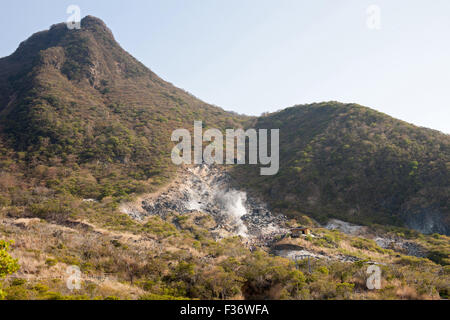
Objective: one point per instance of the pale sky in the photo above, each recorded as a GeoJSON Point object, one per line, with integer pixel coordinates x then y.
{"type": "Point", "coordinates": [254, 56]}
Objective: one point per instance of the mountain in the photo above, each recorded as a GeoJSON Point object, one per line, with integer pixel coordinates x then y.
{"type": "Point", "coordinates": [81, 117]}
{"type": "Point", "coordinates": [76, 99]}
{"type": "Point", "coordinates": [86, 180]}
{"type": "Point", "coordinates": [351, 162]}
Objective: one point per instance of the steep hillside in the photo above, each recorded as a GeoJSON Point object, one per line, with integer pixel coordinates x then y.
{"type": "Point", "coordinates": [81, 118]}
{"type": "Point", "coordinates": [75, 100]}
{"type": "Point", "coordinates": [351, 162]}
{"type": "Point", "coordinates": [86, 180]}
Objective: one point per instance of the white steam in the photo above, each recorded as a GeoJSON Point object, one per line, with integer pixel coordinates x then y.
{"type": "Point", "coordinates": [232, 203]}
{"type": "Point", "coordinates": [204, 193]}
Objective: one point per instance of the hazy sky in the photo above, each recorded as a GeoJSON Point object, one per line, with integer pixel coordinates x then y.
{"type": "Point", "coordinates": [253, 56]}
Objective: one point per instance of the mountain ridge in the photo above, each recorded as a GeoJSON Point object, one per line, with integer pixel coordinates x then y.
{"type": "Point", "coordinates": [78, 99]}
{"type": "Point", "coordinates": [354, 159]}
{"type": "Point", "coordinates": [77, 96]}
{"type": "Point", "coordinates": [86, 180]}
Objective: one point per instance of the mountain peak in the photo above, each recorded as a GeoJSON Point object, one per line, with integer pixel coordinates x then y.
{"type": "Point", "coordinates": [61, 76]}
{"type": "Point", "coordinates": [52, 37]}
{"type": "Point", "coordinates": [78, 93]}
{"type": "Point", "coordinates": [92, 20]}
{"type": "Point", "coordinates": [96, 25]}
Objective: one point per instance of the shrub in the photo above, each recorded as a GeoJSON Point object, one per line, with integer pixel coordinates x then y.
{"type": "Point", "coordinates": [8, 265]}
{"type": "Point", "coordinates": [366, 244]}
{"type": "Point", "coordinates": [16, 293]}
{"type": "Point", "coordinates": [323, 270]}
{"type": "Point", "coordinates": [344, 289]}
{"type": "Point", "coordinates": [51, 262]}
{"type": "Point", "coordinates": [153, 296]}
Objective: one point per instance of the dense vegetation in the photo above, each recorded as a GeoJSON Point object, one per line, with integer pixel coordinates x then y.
{"type": "Point", "coordinates": [82, 117]}
{"type": "Point", "coordinates": [8, 265]}
{"type": "Point", "coordinates": [351, 162]}
{"type": "Point", "coordinates": [85, 127]}
{"type": "Point", "coordinates": [177, 258]}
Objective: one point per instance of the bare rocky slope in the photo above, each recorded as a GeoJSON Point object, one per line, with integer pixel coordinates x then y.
{"type": "Point", "coordinates": [208, 189]}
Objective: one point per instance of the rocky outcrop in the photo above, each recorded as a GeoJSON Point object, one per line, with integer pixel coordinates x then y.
{"type": "Point", "coordinates": [400, 245]}
{"type": "Point", "coordinates": [427, 221]}
{"type": "Point", "coordinates": [345, 227]}
{"type": "Point", "coordinates": [208, 189]}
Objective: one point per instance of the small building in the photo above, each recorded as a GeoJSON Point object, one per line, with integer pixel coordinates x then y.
{"type": "Point", "coordinates": [299, 231]}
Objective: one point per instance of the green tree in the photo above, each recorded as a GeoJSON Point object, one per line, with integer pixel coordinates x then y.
{"type": "Point", "coordinates": [8, 264]}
